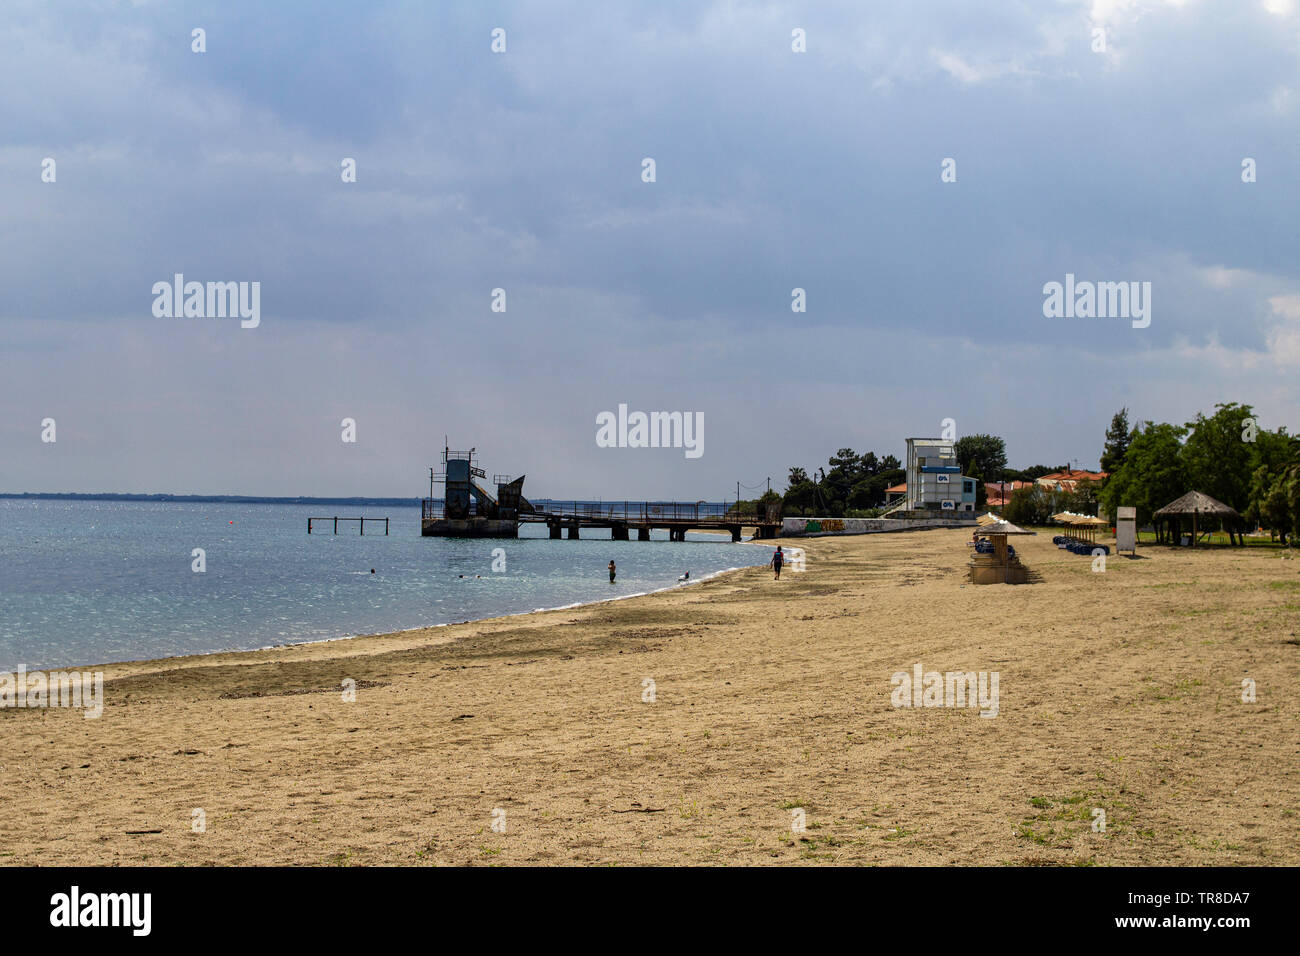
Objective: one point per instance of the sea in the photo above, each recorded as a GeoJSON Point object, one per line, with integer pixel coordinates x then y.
{"type": "Point", "coordinates": [92, 582]}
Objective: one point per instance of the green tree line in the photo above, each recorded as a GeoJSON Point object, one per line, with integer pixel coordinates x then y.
{"type": "Point", "coordinates": [1225, 454]}
{"type": "Point", "coordinates": [851, 485]}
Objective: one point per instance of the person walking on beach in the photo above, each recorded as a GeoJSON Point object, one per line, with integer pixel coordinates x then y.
{"type": "Point", "coordinates": [778, 559]}
{"type": "Point", "coordinates": [612, 572]}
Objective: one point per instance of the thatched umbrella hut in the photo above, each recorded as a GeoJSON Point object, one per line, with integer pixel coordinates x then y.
{"type": "Point", "coordinates": [1196, 505]}
{"type": "Point", "coordinates": [1000, 565]}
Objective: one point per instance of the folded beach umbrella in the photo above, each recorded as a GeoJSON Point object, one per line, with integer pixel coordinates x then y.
{"type": "Point", "coordinates": [1067, 517]}
{"type": "Point", "coordinates": [1001, 527]}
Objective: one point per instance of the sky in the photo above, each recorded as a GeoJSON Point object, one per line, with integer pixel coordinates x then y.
{"type": "Point", "coordinates": [775, 169]}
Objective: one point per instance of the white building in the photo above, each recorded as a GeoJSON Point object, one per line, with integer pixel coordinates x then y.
{"type": "Point", "coordinates": [934, 479]}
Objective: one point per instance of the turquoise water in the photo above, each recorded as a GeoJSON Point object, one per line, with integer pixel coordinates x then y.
{"type": "Point", "coordinates": [97, 582]}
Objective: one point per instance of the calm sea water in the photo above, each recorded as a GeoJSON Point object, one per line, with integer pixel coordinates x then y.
{"type": "Point", "coordinates": [96, 582]}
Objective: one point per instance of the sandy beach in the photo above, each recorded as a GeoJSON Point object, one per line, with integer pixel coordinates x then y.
{"type": "Point", "coordinates": [1119, 691]}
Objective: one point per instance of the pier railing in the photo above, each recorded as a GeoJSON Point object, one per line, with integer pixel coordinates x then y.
{"type": "Point", "coordinates": [632, 512]}
{"type": "Point", "coordinates": [644, 512]}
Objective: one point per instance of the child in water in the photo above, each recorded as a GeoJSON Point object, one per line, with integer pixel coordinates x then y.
{"type": "Point", "coordinates": [611, 572]}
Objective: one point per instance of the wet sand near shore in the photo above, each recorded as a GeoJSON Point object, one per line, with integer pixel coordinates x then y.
{"type": "Point", "coordinates": [1119, 691]}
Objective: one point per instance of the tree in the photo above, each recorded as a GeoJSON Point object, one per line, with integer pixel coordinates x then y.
{"type": "Point", "coordinates": [1153, 473]}
{"type": "Point", "coordinates": [797, 477]}
{"type": "Point", "coordinates": [1274, 494]}
{"type": "Point", "coordinates": [1276, 451]}
{"type": "Point", "coordinates": [1034, 505]}
{"type": "Point", "coordinates": [1083, 498]}
{"type": "Point", "coordinates": [800, 498]}
{"type": "Point", "coordinates": [866, 493]}
{"type": "Point", "coordinates": [845, 472]}
{"type": "Point", "coordinates": [981, 490]}
{"type": "Point", "coordinates": [1281, 507]}
{"type": "Point", "coordinates": [1118, 437]}
{"type": "Point", "coordinates": [870, 492]}
{"type": "Point", "coordinates": [982, 454]}
{"type": "Point", "coordinates": [1218, 459]}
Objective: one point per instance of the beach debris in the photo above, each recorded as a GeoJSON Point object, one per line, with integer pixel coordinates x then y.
{"type": "Point", "coordinates": [463, 717]}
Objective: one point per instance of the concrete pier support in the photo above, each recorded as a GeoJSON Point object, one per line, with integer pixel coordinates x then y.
{"type": "Point", "coordinates": [618, 532]}
{"type": "Point", "coordinates": [573, 531]}
{"type": "Point", "coordinates": [735, 534]}
{"type": "Point", "coordinates": [554, 528]}
{"type": "Point", "coordinates": [643, 534]}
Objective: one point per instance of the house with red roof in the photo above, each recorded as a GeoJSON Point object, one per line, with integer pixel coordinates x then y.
{"type": "Point", "coordinates": [999, 492]}
{"type": "Point", "coordinates": [1066, 480]}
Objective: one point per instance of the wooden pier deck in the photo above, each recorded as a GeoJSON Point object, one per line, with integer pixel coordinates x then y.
{"type": "Point", "coordinates": [621, 518]}
{"type": "Point", "coordinates": [675, 517]}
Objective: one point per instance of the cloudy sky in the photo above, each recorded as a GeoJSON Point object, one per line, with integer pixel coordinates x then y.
{"type": "Point", "coordinates": [522, 170]}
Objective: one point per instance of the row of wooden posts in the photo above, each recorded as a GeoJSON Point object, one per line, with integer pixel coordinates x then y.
{"type": "Point", "coordinates": [336, 519]}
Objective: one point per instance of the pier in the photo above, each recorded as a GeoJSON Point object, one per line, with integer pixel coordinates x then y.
{"type": "Point", "coordinates": [336, 519]}
{"type": "Point", "coordinates": [675, 517]}
{"type": "Point", "coordinates": [569, 519]}
{"type": "Point", "coordinates": [470, 510]}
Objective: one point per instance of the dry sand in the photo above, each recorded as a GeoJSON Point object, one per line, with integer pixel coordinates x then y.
{"type": "Point", "coordinates": [1118, 690]}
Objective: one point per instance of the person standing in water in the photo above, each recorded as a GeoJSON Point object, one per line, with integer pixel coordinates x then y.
{"type": "Point", "coordinates": [612, 572]}
{"type": "Point", "coordinates": [778, 559]}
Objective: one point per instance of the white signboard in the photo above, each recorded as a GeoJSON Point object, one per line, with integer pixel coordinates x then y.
{"type": "Point", "coordinates": [1126, 530]}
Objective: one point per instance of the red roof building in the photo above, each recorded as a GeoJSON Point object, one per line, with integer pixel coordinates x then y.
{"type": "Point", "coordinates": [999, 492]}
{"type": "Point", "coordinates": [1066, 480]}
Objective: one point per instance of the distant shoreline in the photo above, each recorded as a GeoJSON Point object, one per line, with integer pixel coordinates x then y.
{"type": "Point", "coordinates": [207, 499]}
